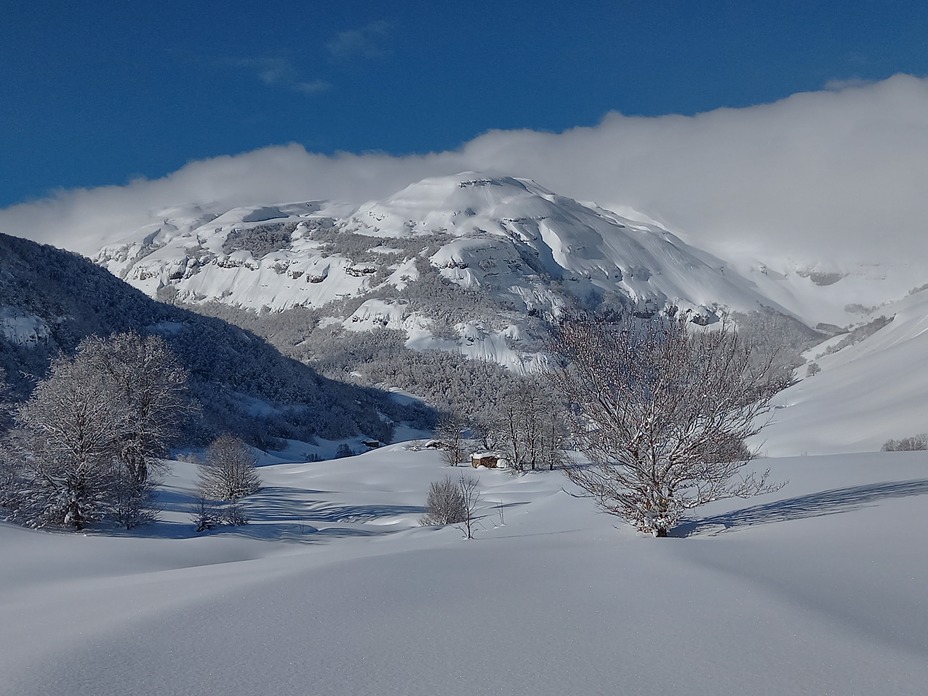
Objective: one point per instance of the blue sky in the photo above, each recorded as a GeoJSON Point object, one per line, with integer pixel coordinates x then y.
{"type": "Point", "coordinates": [101, 93]}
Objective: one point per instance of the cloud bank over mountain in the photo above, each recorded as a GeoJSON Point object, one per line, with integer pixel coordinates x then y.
{"type": "Point", "coordinates": [836, 176]}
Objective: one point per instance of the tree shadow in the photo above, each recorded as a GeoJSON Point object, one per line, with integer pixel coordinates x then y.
{"type": "Point", "coordinates": [276, 512]}
{"type": "Point", "coordinates": [170, 500]}
{"type": "Point", "coordinates": [280, 504]}
{"type": "Point", "coordinates": [360, 513]}
{"type": "Point", "coordinates": [830, 502]}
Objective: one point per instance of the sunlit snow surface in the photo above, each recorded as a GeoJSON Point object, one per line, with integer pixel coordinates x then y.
{"type": "Point", "coordinates": [334, 589]}
{"type": "Point", "coordinates": [865, 394]}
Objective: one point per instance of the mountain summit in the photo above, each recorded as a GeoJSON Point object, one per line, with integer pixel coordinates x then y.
{"type": "Point", "coordinates": [455, 262]}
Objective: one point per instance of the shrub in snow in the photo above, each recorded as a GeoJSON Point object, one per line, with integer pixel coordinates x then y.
{"type": "Point", "coordinates": [662, 412]}
{"type": "Point", "coordinates": [452, 502]}
{"type": "Point", "coordinates": [234, 514]}
{"type": "Point", "coordinates": [907, 444]}
{"type": "Point", "coordinates": [205, 514]}
{"type": "Point", "coordinates": [444, 504]}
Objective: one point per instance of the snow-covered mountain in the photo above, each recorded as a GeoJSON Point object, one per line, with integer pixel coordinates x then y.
{"type": "Point", "coordinates": [866, 387]}
{"type": "Point", "coordinates": [505, 247]}
{"type": "Point", "coordinates": [468, 263]}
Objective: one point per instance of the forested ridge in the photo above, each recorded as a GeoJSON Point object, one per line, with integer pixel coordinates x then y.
{"type": "Point", "coordinates": [244, 384]}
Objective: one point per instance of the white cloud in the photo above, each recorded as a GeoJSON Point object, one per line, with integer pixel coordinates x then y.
{"type": "Point", "coordinates": [278, 71]}
{"type": "Point", "coordinates": [821, 176]}
{"type": "Point", "coordinates": [366, 42]}
{"type": "Point", "coordinates": [312, 87]}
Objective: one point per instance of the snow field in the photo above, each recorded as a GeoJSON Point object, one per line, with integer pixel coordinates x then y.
{"type": "Point", "coordinates": [865, 394]}
{"type": "Point", "coordinates": [818, 588]}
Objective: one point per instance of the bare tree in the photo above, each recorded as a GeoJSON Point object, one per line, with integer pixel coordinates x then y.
{"type": "Point", "coordinates": [450, 432]}
{"type": "Point", "coordinates": [153, 386]}
{"type": "Point", "coordinates": [662, 412]}
{"type": "Point", "coordinates": [444, 503]}
{"type": "Point", "coordinates": [530, 427]}
{"type": "Point", "coordinates": [84, 438]}
{"type": "Point", "coordinates": [229, 470]}
{"type": "Point", "coordinates": [470, 496]}
{"type": "Point", "coordinates": [452, 502]}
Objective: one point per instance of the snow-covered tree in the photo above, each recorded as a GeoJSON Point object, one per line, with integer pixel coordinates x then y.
{"type": "Point", "coordinates": [87, 433]}
{"type": "Point", "coordinates": [452, 502]}
{"type": "Point", "coordinates": [152, 385]}
{"type": "Point", "coordinates": [529, 426]}
{"type": "Point", "coordinates": [907, 444]}
{"type": "Point", "coordinates": [444, 503]}
{"type": "Point", "coordinates": [228, 472]}
{"type": "Point", "coordinates": [66, 447]}
{"type": "Point", "coordinates": [450, 432]}
{"type": "Point", "coordinates": [662, 411]}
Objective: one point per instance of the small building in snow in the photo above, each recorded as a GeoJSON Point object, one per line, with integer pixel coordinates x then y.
{"type": "Point", "coordinates": [490, 460]}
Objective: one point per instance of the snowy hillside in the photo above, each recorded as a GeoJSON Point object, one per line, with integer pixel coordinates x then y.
{"type": "Point", "coordinates": [51, 299]}
{"type": "Point", "coordinates": [334, 589]}
{"type": "Point", "coordinates": [867, 391]}
{"type": "Point", "coordinates": [511, 248]}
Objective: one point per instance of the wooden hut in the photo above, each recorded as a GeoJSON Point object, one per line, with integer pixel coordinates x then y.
{"type": "Point", "coordinates": [489, 460]}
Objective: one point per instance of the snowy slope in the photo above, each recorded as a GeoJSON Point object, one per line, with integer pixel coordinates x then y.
{"type": "Point", "coordinates": [335, 590]}
{"type": "Point", "coordinates": [498, 223]}
{"type": "Point", "coordinates": [840, 294]}
{"type": "Point", "coordinates": [865, 394]}
{"type": "Point", "coordinates": [558, 237]}
{"type": "Point", "coordinates": [50, 300]}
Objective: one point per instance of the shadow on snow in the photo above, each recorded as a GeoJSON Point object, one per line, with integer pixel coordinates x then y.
{"type": "Point", "coordinates": [813, 505]}
{"type": "Point", "coordinates": [276, 512]}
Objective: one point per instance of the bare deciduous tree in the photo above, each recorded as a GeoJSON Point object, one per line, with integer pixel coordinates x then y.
{"type": "Point", "coordinates": [444, 503]}
{"type": "Point", "coordinates": [83, 435]}
{"type": "Point", "coordinates": [452, 502]}
{"type": "Point", "coordinates": [229, 470]}
{"type": "Point", "coordinates": [662, 412]}
{"type": "Point", "coordinates": [470, 495]}
{"type": "Point", "coordinates": [153, 386]}
{"type": "Point", "coordinates": [450, 432]}
{"type": "Point", "coordinates": [530, 427]}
